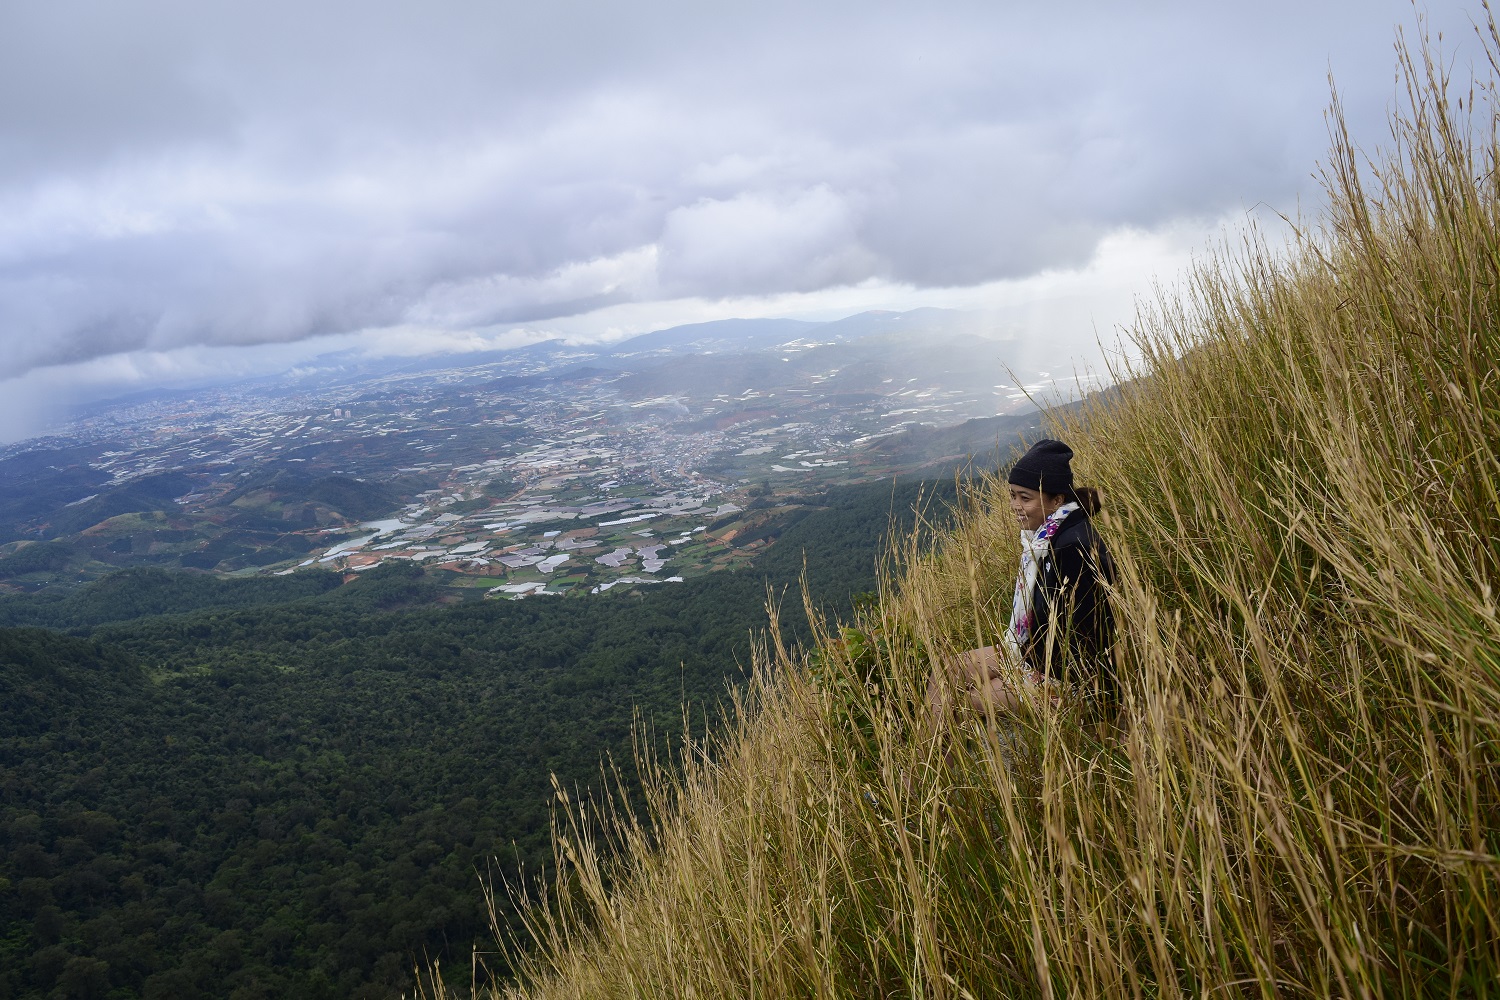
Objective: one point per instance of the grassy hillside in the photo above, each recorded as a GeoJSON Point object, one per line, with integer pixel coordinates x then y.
{"type": "Point", "coordinates": [1300, 795]}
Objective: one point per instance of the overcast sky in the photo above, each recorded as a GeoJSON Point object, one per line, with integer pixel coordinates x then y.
{"type": "Point", "coordinates": [185, 183]}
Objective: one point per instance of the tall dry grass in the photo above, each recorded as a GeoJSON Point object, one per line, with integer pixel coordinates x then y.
{"type": "Point", "coordinates": [1300, 793]}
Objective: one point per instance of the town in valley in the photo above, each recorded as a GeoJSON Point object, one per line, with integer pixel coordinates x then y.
{"type": "Point", "coordinates": [549, 470]}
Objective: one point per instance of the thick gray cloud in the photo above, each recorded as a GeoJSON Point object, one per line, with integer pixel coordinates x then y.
{"type": "Point", "coordinates": [177, 173]}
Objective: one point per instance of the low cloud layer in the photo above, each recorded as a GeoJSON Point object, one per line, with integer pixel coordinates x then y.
{"type": "Point", "coordinates": [176, 174]}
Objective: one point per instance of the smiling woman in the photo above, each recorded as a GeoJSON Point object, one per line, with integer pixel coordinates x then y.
{"type": "Point", "coordinates": [1061, 629]}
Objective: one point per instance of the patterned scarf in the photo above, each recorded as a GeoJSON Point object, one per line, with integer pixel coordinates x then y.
{"type": "Point", "coordinates": [1034, 546]}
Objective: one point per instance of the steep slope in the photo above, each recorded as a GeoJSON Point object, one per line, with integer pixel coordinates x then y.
{"type": "Point", "coordinates": [1299, 794]}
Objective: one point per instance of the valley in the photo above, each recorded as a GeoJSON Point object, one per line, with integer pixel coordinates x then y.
{"type": "Point", "coordinates": [548, 470]}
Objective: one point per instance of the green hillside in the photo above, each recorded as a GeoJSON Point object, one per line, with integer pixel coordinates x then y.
{"type": "Point", "coordinates": [1299, 795]}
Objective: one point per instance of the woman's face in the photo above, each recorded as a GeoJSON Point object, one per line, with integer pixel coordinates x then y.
{"type": "Point", "coordinates": [1032, 507]}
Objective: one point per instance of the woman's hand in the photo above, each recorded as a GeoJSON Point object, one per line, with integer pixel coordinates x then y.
{"type": "Point", "coordinates": [982, 682]}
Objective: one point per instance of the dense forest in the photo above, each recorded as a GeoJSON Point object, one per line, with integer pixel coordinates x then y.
{"type": "Point", "coordinates": [293, 786]}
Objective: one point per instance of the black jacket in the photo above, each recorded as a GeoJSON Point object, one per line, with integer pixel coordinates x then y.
{"type": "Point", "coordinates": [1072, 635]}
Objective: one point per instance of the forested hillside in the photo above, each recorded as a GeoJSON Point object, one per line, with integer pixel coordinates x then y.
{"type": "Point", "coordinates": [291, 787]}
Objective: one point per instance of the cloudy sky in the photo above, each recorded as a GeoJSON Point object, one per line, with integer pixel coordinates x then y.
{"type": "Point", "coordinates": [192, 188]}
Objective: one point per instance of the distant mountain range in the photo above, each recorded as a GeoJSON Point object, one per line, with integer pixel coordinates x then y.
{"type": "Point", "coordinates": [752, 334]}
{"type": "Point", "coordinates": [711, 337]}
{"type": "Point", "coordinates": [723, 334]}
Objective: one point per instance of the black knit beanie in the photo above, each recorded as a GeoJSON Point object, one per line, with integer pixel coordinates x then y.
{"type": "Point", "coordinates": [1045, 468]}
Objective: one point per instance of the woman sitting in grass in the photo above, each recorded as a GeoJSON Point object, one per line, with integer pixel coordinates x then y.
{"type": "Point", "coordinates": [1061, 631]}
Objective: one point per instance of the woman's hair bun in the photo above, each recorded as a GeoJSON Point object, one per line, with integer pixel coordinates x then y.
{"type": "Point", "coordinates": [1088, 498]}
